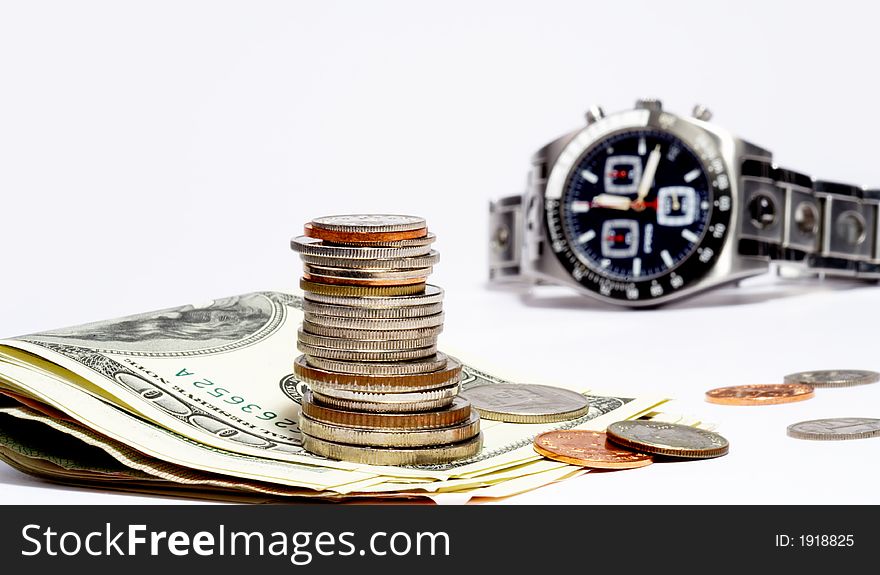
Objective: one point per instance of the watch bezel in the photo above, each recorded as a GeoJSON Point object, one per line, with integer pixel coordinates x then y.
{"type": "Point", "coordinates": [708, 149]}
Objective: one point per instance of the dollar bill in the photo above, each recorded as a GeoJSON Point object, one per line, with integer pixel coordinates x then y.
{"type": "Point", "coordinates": [210, 388]}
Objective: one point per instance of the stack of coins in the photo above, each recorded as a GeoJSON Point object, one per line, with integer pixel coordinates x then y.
{"type": "Point", "coordinates": [379, 391]}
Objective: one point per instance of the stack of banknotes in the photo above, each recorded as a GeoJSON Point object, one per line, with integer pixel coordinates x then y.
{"type": "Point", "coordinates": [201, 401]}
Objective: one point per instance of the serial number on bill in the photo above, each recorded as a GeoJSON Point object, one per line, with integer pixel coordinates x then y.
{"type": "Point", "coordinates": [815, 540]}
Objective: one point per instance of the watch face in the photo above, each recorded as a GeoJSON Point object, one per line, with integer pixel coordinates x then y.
{"type": "Point", "coordinates": [640, 215]}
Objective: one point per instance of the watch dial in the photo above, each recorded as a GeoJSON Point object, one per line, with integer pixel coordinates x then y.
{"type": "Point", "coordinates": [636, 205]}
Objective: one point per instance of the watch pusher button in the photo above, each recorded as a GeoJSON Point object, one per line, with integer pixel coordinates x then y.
{"type": "Point", "coordinates": [649, 104]}
{"type": "Point", "coordinates": [701, 112]}
{"type": "Point", "coordinates": [595, 113]}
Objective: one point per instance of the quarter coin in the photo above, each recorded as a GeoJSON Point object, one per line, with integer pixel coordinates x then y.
{"type": "Point", "coordinates": [526, 403]}
{"type": "Point", "coordinates": [834, 377]}
{"type": "Point", "coordinates": [391, 437]}
{"type": "Point", "coordinates": [368, 223]}
{"type": "Point", "coordinates": [360, 290]}
{"type": "Point", "coordinates": [669, 439]}
{"type": "Point", "coordinates": [835, 429]}
{"type": "Point", "coordinates": [393, 456]}
{"type": "Point", "coordinates": [456, 412]}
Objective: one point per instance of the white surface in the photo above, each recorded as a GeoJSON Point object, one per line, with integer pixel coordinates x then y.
{"type": "Point", "coordinates": [157, 153]}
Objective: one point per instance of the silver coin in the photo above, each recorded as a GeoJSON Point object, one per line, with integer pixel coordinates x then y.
{"type": "Point", "coordinates": [362, 274]}
{"type": "Point", "coordinates": [364, 344]}
{"type": "Point", "coordinates": [431, 296]}
{"type": "Point", "coordinates": [428, 364]}
{"type": "Point", "coordinates": [393, 456]}
{"type": "Point", "coordinates": [669, 439]}
{"type": "Point", "coordinates": [405, 323]}
{"type": "Point", "coordinates": [372, 312]}
{"type": "Point", "coordinates": [314, 247]}
{"type": "Point", "coordinates": [835, 429]}
{"type": "Point", "coordinates": [525, 403]}
{"type": "Point", "coordinates": [379, 407]}
{"type": "Point", "coordinates": [348, 333]}
{"type": "Point", "coordinates": [425, 240]}
{"type": "Point", "coordinates": [369, 223]}
{"type": "Point", "coordinates": [390, 397]}
{"type": "Point", "coordinates": [834, 377]}
{"type": "Point", "coordinates": [391, 437]}
{"type": "Point", "coordinates": [397, 263]}
{"type": "Point", "coordinates": [362, 356]}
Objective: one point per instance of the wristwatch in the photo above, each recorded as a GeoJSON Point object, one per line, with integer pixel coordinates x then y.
{"type": "Point", "coordinates": [644, 207]}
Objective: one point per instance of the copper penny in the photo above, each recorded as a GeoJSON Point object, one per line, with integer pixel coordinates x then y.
{"type": "Point", "coordinates": [456, 412]}
{"type": "Point", "coordinates": [588, 449]}
{"type": "Point", "coordinates": [346, 237]}
{"type": "Point", "coordinates": [767, 394]}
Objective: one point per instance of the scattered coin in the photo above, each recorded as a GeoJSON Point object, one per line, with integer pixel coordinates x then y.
{"type": "Point", "coordinates": [524, 403]}
{"type": "Point", "coordinates": [360, 290]}
{"type": "Point", "coordinates": [669, 439]}
{"type": "Point", "coordinates": [835, 429]}
{"type": "Point", "coordinates": [588, 449]}
{"type": "Point", "coordinates": [456, 412]}
{"type": "Point", "coordinates": [393, 456]}
{"type": "Point", "coordinates": [431, 295]}
{"type": "Point", "coordinates": [834, 377]}
{"type": "Point", "coordinates": [767, 394]}
{"type": "Point", "coordinates": [392, 437]}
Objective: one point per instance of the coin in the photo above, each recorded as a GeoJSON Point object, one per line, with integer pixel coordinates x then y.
{"type": "Point", "coordinates": [359, 290]}
{"type": "Point", "coordinates": [396, 334]}
{"type": "Point", "coordinates": [427, 364]}
{"type": "Point", "coordinates": [431, 295]}
{"type": "Point", "coordinates": [401, 312]}
{"type": "Point", "coordinates": [366, 274]}
{"type": "Point", "coordinates": [361, 356]}
{"type": "Point", "coordinates": [525, 403]}
{"type": "Point", "coordinates": [836, 429]}
{"type": "Point", "coordinates": [369, 324]}
{"type": "Point", "coordinates": [391, 437]}
{"type": "Point", "coordinates": [396, 263]}
{"type": "Point", "coordinates": [670, 439]}
{"type": "Point", "coordinates": [421, 241]}
{"type": "Point", "coordinates": [366, 237]}
{"type": "Point", "coordinates": [313, 247]}
{"type": "Point", "coordinates": [377, 382]}
{"type": "Point", "coordinates": [364, 282]}
{"type": "Point", "coordinates": [588, 449]}
{"type": "Point", "coordinates": [766, 394]}
{"type": "Point", "coordinates": [456, 412]}
{"type": "Point", "coordinates": [380, 407]}
{"type": "Point", "coordinates": [834, 377]}
{"type": "Point", "coordinates": [369, 223]}
{"type": "Point", "coordinates": [364, 344]}
{"type": "Point", "coordinates": [393, 456]}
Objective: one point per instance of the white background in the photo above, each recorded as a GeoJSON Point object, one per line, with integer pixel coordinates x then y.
{"type": "Point", "coordinates": [157, 153]}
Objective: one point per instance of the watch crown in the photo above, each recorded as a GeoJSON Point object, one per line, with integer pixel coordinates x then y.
{"type": "Point", "coordinates": [649, 104]}
{"type": "Point", "coordinates": [595, 113]}
{"type": "Point", "coordinates": [701, 112]}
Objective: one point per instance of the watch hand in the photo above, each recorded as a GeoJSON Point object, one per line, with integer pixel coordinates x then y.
{"type": "Point", "coordinates": [612, 202]}
{"type": "Point", "coordinates": [648, 174]}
